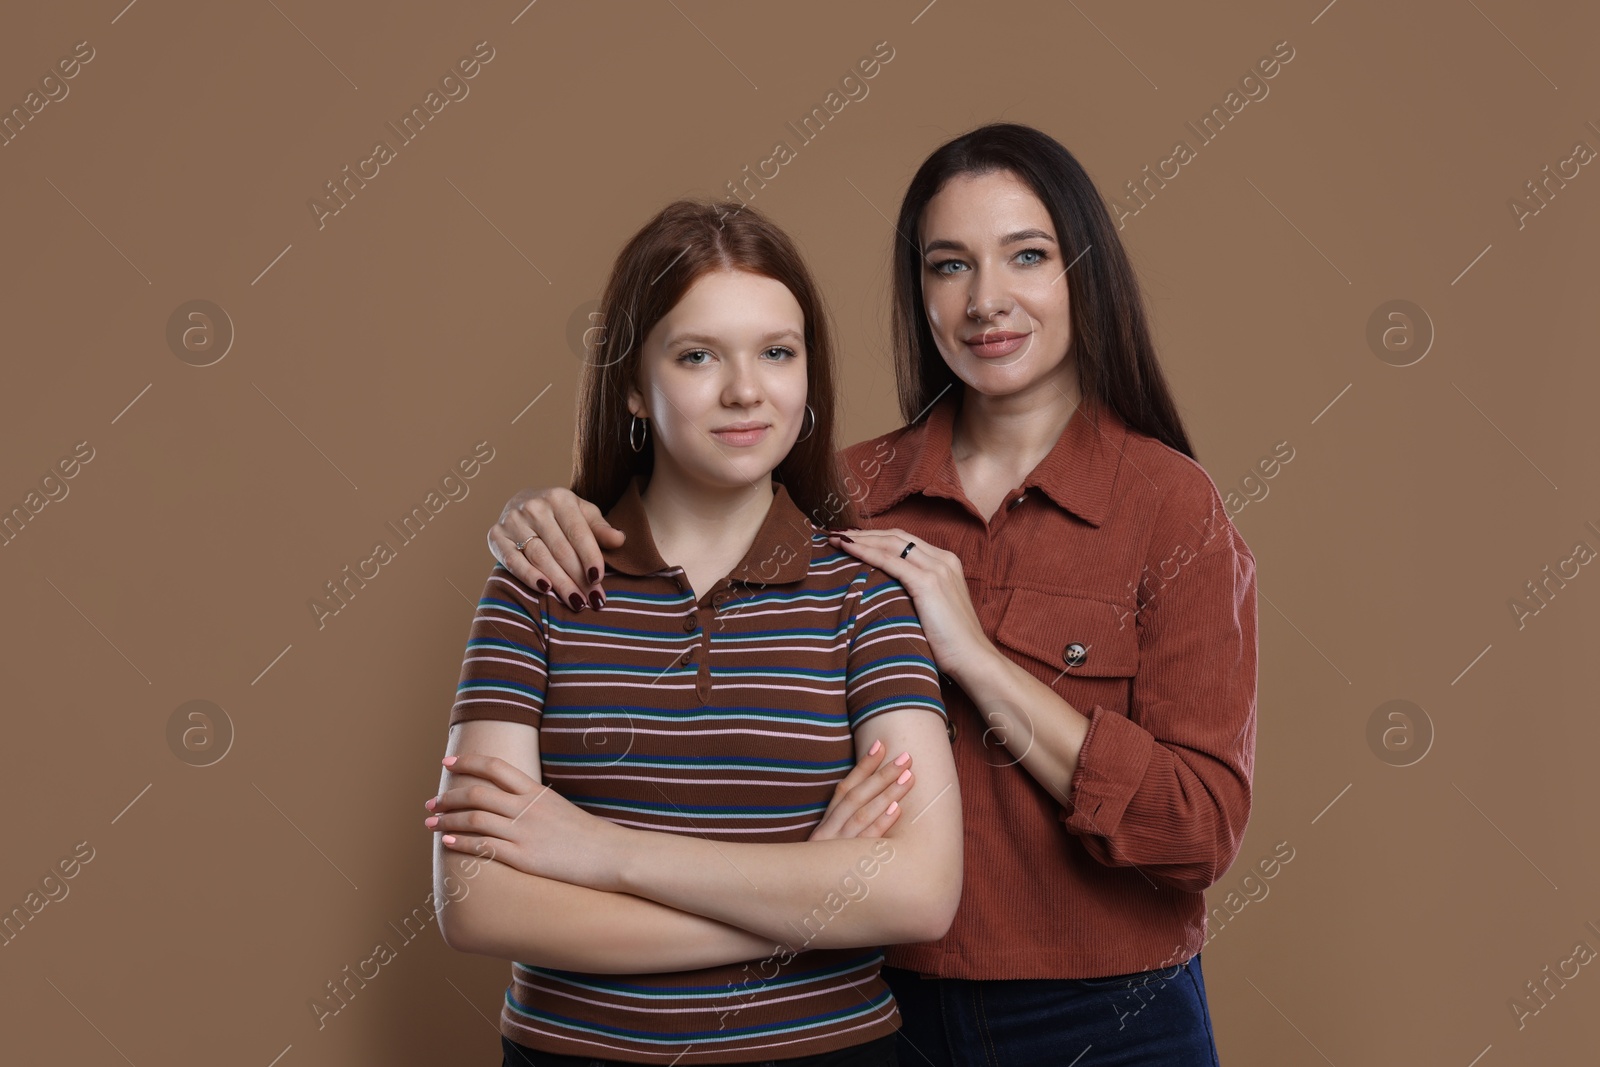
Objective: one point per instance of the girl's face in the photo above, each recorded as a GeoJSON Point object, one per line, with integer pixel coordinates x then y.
{"type": "Point", "coordinates": [994, 284]}
{"type": "Point", "coordinates": [722, 379]}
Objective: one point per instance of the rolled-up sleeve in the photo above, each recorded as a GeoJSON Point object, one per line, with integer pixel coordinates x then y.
{"type": "Point", "coordinates": [1166, 788]}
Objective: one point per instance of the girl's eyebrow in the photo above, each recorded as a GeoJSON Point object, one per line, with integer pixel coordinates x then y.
{"type": "Point", "coordinates": [703, 339]}
{"type": "Point", "coordinates": [1008, 239]}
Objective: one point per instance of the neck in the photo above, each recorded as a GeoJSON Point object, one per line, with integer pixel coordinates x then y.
{"type": "Point", "coordinates": [1017, 428]}
{"type": "Point", "coordinates": [692, 520]}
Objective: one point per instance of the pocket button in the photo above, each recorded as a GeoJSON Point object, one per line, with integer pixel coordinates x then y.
{"type": "Point", "coordinates": [1074, 654]}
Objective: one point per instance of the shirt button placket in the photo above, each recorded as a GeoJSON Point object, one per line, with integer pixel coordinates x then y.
{"type": "Point", "coordinates": [702, 681]}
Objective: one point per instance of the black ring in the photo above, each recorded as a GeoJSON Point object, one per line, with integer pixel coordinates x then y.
{"type": "Point", "coordinates": [907, 550]}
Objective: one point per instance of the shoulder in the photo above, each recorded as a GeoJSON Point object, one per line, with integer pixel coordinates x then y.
{"type": "Point", "coordinates": [1179, 499]}
{"type": "Point", "coordinates": [863, 454]}
{"type": "Point", "coordinates": [505, 594]}
{"type": "Point", "coordinates": [850, 579]}
{"type": "Point", "coordinates": [880, 595]}
{"type": "Point", "coordinates": [868, 467]}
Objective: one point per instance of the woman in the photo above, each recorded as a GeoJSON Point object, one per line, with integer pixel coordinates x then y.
{"type": "Point", "coordinates": [680, 892]}
{"type": "Point", "coordinates": [1084, 592]}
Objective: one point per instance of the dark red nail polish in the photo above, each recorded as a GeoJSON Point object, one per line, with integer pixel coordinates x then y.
{"type": "Point", "coordinates": [847, 539]}
{"type": "Point", "coordinates": [576, 602]}
{"type": "Point", "coordinates": [596, 601]}
{"type": "Point", "coordinates": [594, 574]}
{"type": "Point", "coordinates": [543, 586]}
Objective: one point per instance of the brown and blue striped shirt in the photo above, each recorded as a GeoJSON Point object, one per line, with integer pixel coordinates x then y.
{"type": "Point", "coordinates": [727, 714]}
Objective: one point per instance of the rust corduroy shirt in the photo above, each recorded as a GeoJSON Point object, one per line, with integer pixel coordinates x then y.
{"type": "Point", "coordinates": [1114, 575]}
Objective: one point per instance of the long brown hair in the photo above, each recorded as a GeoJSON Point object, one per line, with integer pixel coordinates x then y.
{"type": "Point", "coordinates": [1111, 345]}
{"type": "Point", "coordinates": [685, 240]}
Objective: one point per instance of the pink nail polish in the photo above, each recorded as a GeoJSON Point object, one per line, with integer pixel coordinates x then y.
{"type": "Point", "coordinates": [429, 805]}
{"type": "Point", "coordinates": [449, 761]}
{"type": "Point", "coordinates": [901, 762]}
{"type": "Point", "coordinates": [894, 806]}
{"type": "Point", "coordinates": [905, 776]}
{"type": "Point", "coordinates": [873, 751]}
{"type": "Point", "coordinates": [449, 839]}
{"type": "Point", "coordinates": [431, 821]}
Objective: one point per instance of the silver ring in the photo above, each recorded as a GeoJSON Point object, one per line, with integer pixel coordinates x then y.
{"type": "Point", "coordinates": [531, 537]}
{"type": "Point", "coordinates": [904, 552]}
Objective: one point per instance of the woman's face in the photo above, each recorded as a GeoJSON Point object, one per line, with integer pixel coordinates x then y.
{"type": "Point", "coordinates": [994, 284]}
{"type": "Point", "coordinates": [722, 379]}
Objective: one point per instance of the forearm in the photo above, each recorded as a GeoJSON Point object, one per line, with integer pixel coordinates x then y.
{"type": "Point", "coordinates": [1132, 800]}
{"type": "Point", "coordinates": [512, 915]}
{"type": "Point", "coordinates": [1042, 732]}
{"type": "Point", "coordinates": [842, 893]}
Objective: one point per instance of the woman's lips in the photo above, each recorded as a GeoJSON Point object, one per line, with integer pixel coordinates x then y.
{"type": "Point", "coordinates": [1002, 347]}
{"type": "Point", "coordinates": [741, 437]}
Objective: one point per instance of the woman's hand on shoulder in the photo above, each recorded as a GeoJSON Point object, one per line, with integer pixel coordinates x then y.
{"type": "Point", "coordinates": [561, 534]}
{"type": "Point", "coordinates": [867, 801]}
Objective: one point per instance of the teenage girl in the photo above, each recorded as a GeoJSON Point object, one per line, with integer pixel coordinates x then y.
{"type": "Point", "coordinates": [650, 803]}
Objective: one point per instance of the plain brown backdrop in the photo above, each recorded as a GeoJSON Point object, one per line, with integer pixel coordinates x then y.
{"type": "Point", "coordinates": [370, 353]}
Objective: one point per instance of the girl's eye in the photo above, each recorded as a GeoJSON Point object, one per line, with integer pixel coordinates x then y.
{"type": "Point", "coordinates": [780, 349]}
{"type": "Point", "coordinates": [939, 267]}
{"type": "Point", "coordinates": [685, 358]}
{"type": "Point", "coordinates": [1033, 252]}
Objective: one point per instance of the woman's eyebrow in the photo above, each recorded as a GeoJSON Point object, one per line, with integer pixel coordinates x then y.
{"type": "Point", "coordinates": [705, 339]}
{"type": "Point", "coordinates": [1032, 234]}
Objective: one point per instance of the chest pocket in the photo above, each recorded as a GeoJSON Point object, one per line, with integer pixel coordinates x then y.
{"type": "Point", "coordinates": [1085, 637]}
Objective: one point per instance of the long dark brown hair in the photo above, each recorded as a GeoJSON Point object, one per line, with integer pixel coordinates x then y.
{"type": "Point", "coordinates": [1116, 360]}
{"type": "Point", "coordinates": [686, 239]}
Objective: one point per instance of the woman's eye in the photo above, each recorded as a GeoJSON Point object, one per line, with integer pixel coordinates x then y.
{"type": "Point", "coordinates": [1033, 252]}
{"type": "Point", "coordinates": [780, 350]}
{"type": "Point", "coordinates": [687, 357]}
{"type": "Point", "coordinates": [939, 267]}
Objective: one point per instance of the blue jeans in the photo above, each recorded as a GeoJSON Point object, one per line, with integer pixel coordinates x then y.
{"type": "Point", "coordinates": [1149, 1017]}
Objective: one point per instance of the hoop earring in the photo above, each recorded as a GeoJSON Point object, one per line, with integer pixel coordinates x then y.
{"type": "Point", "coordinates": [813, 426]}
{"type": "Point", "coordinates": [638, 446]}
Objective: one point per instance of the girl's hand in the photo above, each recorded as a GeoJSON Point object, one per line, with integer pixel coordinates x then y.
{"type": "Point", "coordinates": [938, 588]}
{"type": "Point", "coordinates": [565, 554]}
{"type": "Point", "coordinates": [511, 818]}
{"type": "Point", "coordinates": [867, 802]}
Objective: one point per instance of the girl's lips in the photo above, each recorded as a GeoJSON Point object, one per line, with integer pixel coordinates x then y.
{"type": "Point", "coordinates": [741, 437]}
{"type": "Point", "coordinates": [992, 349]}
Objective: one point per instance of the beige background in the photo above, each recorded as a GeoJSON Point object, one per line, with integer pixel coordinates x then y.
{"type": "Point", "coordinates": [369, 355]}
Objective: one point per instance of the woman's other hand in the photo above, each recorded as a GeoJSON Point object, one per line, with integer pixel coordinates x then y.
{"type": "Point", "coordinates": [510, 817]}
{"type": "Point", "coordinates": [867, 801]}
{"type": "Point", "coordinates": [938, 587]}
{"type": "Point", "coordinates": [562, 534]}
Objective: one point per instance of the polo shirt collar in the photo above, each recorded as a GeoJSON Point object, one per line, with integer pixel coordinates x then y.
{"type": "Point", "coordinates": [781, 551]}
{"type": "Point", "coordinates": [1078, 473]}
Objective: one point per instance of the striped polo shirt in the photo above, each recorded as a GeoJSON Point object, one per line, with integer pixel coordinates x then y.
{"type": "Point", "coordinates": [726, 714]}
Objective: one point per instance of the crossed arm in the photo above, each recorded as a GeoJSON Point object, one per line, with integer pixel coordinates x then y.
{"type": "Point", "coordinates": [551, 885]}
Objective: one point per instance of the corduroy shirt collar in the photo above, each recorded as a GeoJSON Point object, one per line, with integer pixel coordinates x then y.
{"type": "Point", "coordinates": [1078, 474]}
{"type": "Point", "coordinates": [781, 551]}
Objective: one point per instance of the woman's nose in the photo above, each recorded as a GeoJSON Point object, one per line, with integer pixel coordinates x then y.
{"type": "Point", "coordinates": [743, 384]}
{"type": "Point", "coordinates": [986, 298]}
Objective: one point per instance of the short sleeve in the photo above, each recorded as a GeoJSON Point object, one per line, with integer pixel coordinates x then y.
{"type": "Point", "coordinates": [890, 664]}
{"type": "Point", "coordinates": [504, 671]}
